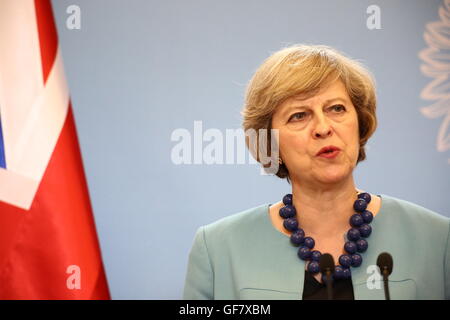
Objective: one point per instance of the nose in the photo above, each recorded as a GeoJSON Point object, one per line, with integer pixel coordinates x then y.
{"type": "Point", "coordinates": [322, 129]}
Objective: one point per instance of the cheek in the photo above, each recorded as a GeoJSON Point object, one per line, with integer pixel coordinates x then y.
{"type": "Point", "coordinates": [351, 128]}
{"type": "Point", "coordinates": [353, 141]}
{"type": "Point", "coordinates": [291, 145]}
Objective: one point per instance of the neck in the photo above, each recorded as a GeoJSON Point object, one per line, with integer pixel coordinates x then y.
{"type": "Point", "coordinates": [324, 210]}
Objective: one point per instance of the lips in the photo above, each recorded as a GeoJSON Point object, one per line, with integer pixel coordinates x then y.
{"type": "Point", "coordinates": [327, 149]}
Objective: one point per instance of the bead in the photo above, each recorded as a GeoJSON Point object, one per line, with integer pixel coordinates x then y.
{"type": "Point", "coordinates": [298, 236]}
{"type": "Point", "coordinates": [367, 216]}
{"type": "Point", "coordinates": [309, 242]}
{"type": "Point", "coordinates": [304, 253]}
{"type": "Point", "coordinates": [287, 199]}
{"type": "Point", "coordinates": [356, 260]}
{"type": "Point", "coordinates": [365, 230]}
{"type": "Point", "coordinates": [360, 229]}
{"type": "Point", "coordinates": [350, 247]}
{"type": "Point", "coordinates": [315, 255]}
{"type": "Point", "coordinates": [345, 260]}
{"type": "Point", "coordinates": [313, 267]}
{"type": "Point", "coordinates": [338, 272]}
{"type": "Point", "coordinates": [346, 274]}
{"type": "Point", "coordinates": [287, 211]}
{"type": "Point", "coordinates": [365, 196]}
{"type": "Point", "coordinates": [362, 245]}
{"type": "Point", "coordinates": [353, 234]}
{"type": "Point", "coordinates": [356, 220]}
{"type": "Point", "coordinates": [360, 205]}
{"type": "Point", "coordinates": [290, 224]}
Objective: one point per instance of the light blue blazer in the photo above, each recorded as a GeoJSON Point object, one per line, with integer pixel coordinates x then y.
{"type": "Point", "coordinates": [243, 256]}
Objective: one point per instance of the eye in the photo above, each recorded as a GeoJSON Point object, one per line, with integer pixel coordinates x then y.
{"type": "Point", "coordinates": [338, 108]}
{"type": "Point", "coordinates": [299, 116]}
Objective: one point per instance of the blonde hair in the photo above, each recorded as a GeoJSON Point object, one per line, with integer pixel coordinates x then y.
{"type": "Point", "coordinates": [303, 70]}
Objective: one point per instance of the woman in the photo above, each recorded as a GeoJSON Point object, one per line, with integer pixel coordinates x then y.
{"type": "Point", "coordinates": [322, 105]}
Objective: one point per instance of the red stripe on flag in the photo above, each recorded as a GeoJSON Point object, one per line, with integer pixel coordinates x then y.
{"type": "Point", "coordinates": [48, 38]}
{"type": "Point", "coordinates": [58, 231]}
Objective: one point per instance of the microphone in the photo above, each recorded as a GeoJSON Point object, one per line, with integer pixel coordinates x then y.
{"type": "Point", "coordinates": [385, 263]}
{"type": "Point", "coordinates": [326, 265]}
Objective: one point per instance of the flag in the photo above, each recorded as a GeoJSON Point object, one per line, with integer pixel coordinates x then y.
{"type": "Point", "coordinates": [48, 243]}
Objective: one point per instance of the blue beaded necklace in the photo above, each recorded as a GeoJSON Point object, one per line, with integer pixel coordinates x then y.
{"type": "Point", "coordinates": [355, 243]}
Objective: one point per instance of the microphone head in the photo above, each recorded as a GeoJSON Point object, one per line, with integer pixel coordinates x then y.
{"type": "Point", "coordinates": [326, 263]}
{"type": "Point", "coordinates": [385, 262]}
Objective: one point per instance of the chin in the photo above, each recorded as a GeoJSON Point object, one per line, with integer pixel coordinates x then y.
{"type": "Point", "coordinates": [336, 175]}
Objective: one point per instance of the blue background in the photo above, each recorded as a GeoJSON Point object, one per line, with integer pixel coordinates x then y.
{"type": "Point", "coordinates": [138, 70]}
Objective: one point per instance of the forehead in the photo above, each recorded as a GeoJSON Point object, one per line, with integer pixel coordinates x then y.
{"type": "Point", "coordinates": [335, 90]}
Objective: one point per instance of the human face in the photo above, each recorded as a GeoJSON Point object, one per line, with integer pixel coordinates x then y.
{"type": "Point", "coordinates": [307, 125]}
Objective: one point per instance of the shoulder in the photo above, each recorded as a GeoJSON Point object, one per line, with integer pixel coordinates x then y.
{"type": "Point", "coordinates": [237, 227]}
{"type": "Point", "coordinates": [249, 218]}
{"type": "Point", "coordinates": [413, 216]}
{"type": "Point", "coordinates": [411, 210]}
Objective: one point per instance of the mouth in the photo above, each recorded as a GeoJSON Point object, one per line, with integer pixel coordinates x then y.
{"type": "Point", "coordinates": [328, 152]}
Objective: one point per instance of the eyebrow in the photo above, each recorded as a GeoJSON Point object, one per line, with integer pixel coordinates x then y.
{"type": "Point", "coordinates": [294, 105]}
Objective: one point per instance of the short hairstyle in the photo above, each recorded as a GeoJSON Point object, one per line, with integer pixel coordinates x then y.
{"type": "Point", "coordinates": [303, 70]}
